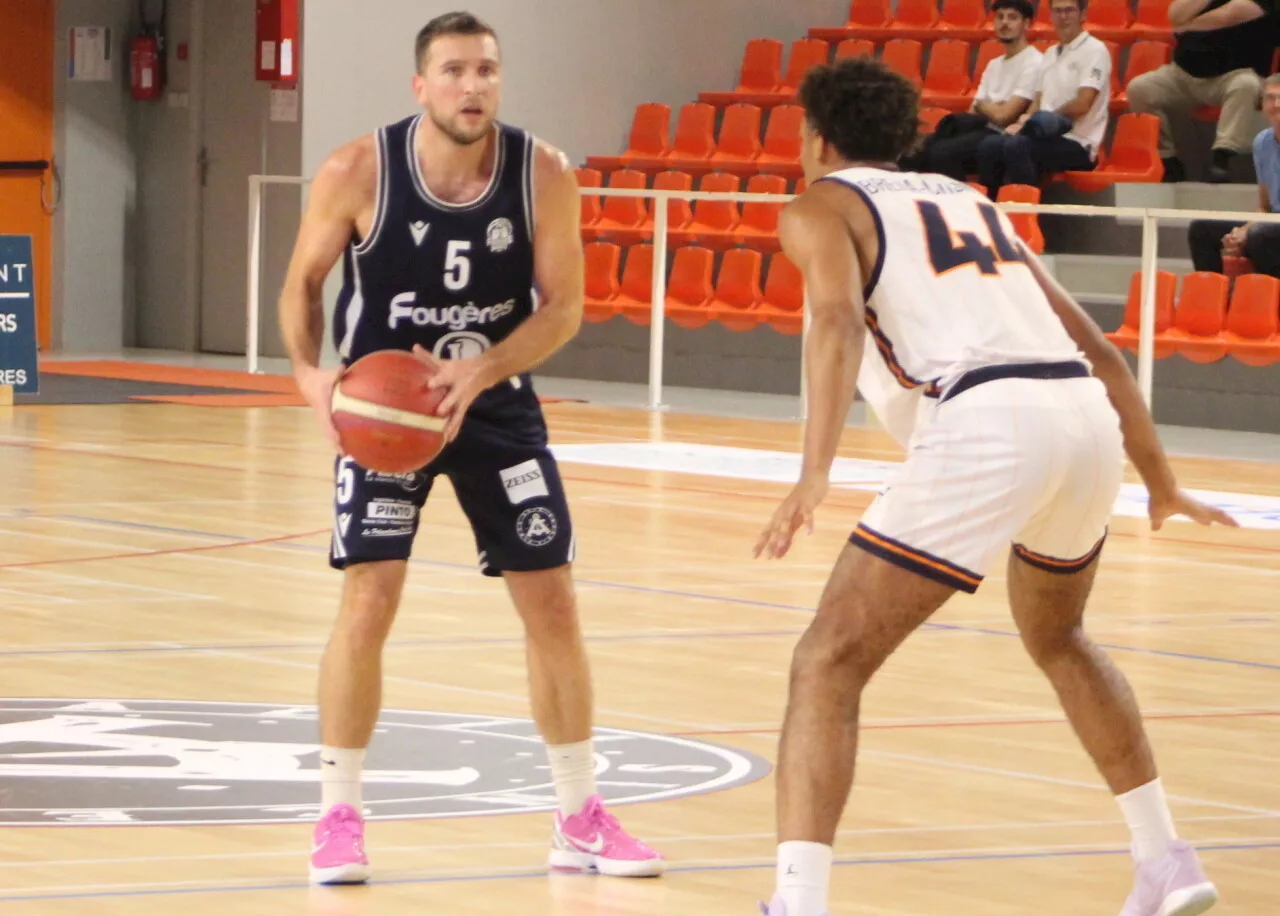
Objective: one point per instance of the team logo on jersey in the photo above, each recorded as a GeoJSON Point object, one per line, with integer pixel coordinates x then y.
{"type": "Point", "coordinates": [536, 526]}
{"type": "Point", "coordinates": [418, 230]}
{"type": "Point", "coordinates": [461, 345]}
{"type": "Point", "coordinates": [500, 235]}
{"type": "Point", "coordinates": [92, 762]}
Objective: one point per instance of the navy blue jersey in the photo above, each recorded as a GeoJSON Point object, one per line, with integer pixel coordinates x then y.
{"type": "Point", "coordinates": [455, 278]}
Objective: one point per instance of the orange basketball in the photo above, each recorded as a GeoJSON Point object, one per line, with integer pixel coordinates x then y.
{"type": "Point", "coordinates": [385, 413]}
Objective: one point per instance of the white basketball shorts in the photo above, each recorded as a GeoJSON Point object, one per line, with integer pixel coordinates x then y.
{"type": "Point", "coordinates": [1032, 462]}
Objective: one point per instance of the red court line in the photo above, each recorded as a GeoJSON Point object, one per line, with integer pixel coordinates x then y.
{"type": "Point", "coordinates": [160, 553]}
{"type": "Point", "coordinates": [978, 723]}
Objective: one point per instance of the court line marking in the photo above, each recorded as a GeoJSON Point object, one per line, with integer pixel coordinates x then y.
{"type": "Point", "coordinates": [293, 851]}
{"type": "Point", "coordinates": [291, 542]}
{"type": "Point", "coordinates": [83, 892]}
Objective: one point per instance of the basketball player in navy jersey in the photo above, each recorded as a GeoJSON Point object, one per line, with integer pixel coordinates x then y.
{"type": "Point", "coordinates": [446, 224]}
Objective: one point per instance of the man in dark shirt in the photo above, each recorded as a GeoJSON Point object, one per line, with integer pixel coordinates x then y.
{"type": "Point", "coordinates": [1223, 50]}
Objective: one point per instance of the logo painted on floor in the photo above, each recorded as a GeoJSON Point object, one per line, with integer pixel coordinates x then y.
{"type": "Point", "coordinates": [97, 762]}
{"type": "Point", "coordinates": [1251, 510]}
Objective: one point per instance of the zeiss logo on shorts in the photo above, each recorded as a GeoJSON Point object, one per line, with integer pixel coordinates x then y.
{"type": "Point", "coordinates": [524, 482]}
{"type": "Point", "coordinates": [390, 510]}
{"type": "Point", "coordinates": [454, 317]}
{"type": "Point", "coordinates": [536, 527]}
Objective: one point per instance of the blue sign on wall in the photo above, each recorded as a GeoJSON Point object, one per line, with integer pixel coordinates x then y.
{"type": "Point", "coordinates": [18, 351]}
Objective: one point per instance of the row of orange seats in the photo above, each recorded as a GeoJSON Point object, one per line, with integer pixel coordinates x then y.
{"type": "Point", "coordinates": [1109, 20]}
{"type": "Point", "coordinates": [739, 149]}
{"type": "Point", "coordinates": [1214, 318]}
{"type": "Point", "coordinates": [696, 148]}
{"type": "Point", "coordinates": [737, 299]}
{"type": "Point", "coordinates": [722, 224]}
{"type": "Point", "coordinates": [718, 224]}
{"type": "Point", "coordinates": [949, 80]}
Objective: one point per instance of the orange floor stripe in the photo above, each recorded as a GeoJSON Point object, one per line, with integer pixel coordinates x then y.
{"type": "Point", "coordinates": [171, 375]}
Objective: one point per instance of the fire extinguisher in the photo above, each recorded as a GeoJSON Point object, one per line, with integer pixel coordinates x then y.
{"type": "Point", "coordinates": [147, 55]}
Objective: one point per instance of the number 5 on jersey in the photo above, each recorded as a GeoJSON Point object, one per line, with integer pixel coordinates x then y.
{"type": "Point", "coordinates": [457, 266]}
{"type": "Point", "coordinates": [949, 249]}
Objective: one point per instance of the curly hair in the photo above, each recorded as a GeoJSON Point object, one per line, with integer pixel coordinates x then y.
{"type": "Point", "coordinates": [865, 110]}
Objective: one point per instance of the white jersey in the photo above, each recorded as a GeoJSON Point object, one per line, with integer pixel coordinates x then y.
{"type": "Point", "coordinates": [950, 292]}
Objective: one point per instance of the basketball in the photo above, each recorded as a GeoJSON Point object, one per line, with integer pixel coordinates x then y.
{"type": "Point", "coordinates": [385, 413]}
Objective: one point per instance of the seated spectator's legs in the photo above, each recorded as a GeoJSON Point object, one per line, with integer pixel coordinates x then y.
{"type": "Point", "coordinates": [1204, 238]}
{"type": "Point", "coordinates": [957, 157]}
{"type": "Point", "coordinates": [1159, 92]}
{"type": "Point", "coordinates": [1237, 94]}
{"type": "Point", "coordinates": [1028, 161]}
{"type": "Point", "coordinates": [1262, 247]}
{"type": "Point", "coordinates": [991, 161]}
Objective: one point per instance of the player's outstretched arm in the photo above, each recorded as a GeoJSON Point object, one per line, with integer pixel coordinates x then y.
{"type": "Point", "coordinates": [1141, 441]}
{"type": "Point", "coordinates": [345, 181]}
{"type": "Point", "coordinates": [817, 238]}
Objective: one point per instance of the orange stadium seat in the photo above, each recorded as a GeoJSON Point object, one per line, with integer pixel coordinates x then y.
{"type": "Point", "coordinates": [589, 178]}
{"type": "Point", "coordinates": [1144, 56]}
{"type": "Point", "coordinates": [1126, 336]}
{"type": "Point", "coordinates": [739, 141]}
{"type": "Point", "coordinates": [695, 140]}
{"type": "Point", "coordinates": [602, 262]}
{"type": "Point", "coordinates": [1134, 155]}
{"type": "Point", "coordinates": [783, 305]}
{"type": "Point", "coordinates": [946, 80]}
{"type": "Point", "coordinates": [1253, 321]}
{"type": "Point", "coordinates": [902, 55]}
{"type": "Point", "coordinates": [635, 296]}
{"type": "Point", "coordinates": [738, 292]}
{"type": "Point", "coordinates": [689, 289]}
{"type": "Point", "coordinates": [1027, 225]}
{"type": "Point", "coordinates": [781, 153]}
{"type": "Point", "coordinates": [761, 74]}
{"type": "Point", "coordinates": [649, 141]}
{"type": "Point", "coordinates": [1202, 311]}
{"type": "Point", "coordinates": [621, 218]}
{"type": "Point", "coordinates": [714, 221]}
{"type": "Point", "coordinates": [855, 47]}
{"type": "Point", "coordinates": [759, 225]}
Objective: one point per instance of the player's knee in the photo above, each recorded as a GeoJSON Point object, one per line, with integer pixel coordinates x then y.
{"type": "Point", "coordinates": [371, 595]}
{"type": "Point", "coordinates": [549, 612]}
{"type": "Point", "coordinates": [1047, 645]}
{"type": "Point", "coordinates": [835, 650]}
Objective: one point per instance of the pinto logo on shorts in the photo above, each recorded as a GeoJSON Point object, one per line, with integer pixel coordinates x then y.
{"type": "Point", "coordinates": [90, 762]}
{"type": "Point", "coordinates": [536, 526]}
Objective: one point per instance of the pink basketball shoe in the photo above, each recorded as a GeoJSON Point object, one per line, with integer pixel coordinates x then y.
{"type": "Point", "coordinates": [592, 840]}
{"type": "Point", "coordinates": [338, 854]}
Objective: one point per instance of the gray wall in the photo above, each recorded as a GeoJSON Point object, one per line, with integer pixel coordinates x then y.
{"type": "Point", "coordinates": [167, 141]}
{"type": "Point", "coordinates": [94, 279]}
{"type": "Point", "coordinates": [575, 69]}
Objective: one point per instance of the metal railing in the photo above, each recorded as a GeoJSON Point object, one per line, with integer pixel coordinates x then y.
{"type": "Point", "coordinates": [1150, 218]}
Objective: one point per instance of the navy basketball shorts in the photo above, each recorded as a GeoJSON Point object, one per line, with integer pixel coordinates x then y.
{"type": "Point", "coordinates": [509, 489]}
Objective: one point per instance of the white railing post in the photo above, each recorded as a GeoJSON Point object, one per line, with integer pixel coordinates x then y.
{"type": "Point", "coordinates": [1147, 315]}
{"type": "Point", "coordinates": [254, 303]}
{"type": "Point", "coordinates": [658, 312]}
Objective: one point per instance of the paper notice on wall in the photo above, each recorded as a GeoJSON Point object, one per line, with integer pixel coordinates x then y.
{"type": "Point", "coordinates": [284, 105]}
{"type": "Point", "coordinates": [90, 54]}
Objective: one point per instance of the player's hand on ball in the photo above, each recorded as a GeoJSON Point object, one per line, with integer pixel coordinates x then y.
{"type": "Point", "coordinates": [464, 379]}
{"type": "Point", "coordinates": [316, 386]}
{"type": "Point", "coordinates": [1160, 508]}
{"type": "Point", "coordinates": [796, 510]}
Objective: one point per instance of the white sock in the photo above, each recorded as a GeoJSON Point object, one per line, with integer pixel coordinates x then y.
{"type": "Point", "coordinates": [573, 769]}
{"type": "Point", "coordinates": [340, 770]}
{"type": "Point", "coordinates": [804, 877]}
{"type": "Point", "coordinates": [1147, 813]}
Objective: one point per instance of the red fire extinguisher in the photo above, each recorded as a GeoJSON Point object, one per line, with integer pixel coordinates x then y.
{"type": "Point", "coordinates": [146, 55]}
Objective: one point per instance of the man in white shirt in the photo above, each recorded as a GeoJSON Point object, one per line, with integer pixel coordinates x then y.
{"type": "Point", "coordinates": [1066, 125]}
{"type": "Point", "coordinates": [1004, 94]}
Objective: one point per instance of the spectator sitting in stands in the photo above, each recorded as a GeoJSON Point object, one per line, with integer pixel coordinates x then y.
{"type": "Point", "coordinates": [1210, 239]}
{"type": "Point", "coordinates": [1221, 54]}
{"type": "Point", "coordinates": [1005, 92]}
{"type": "Point", "coordinates": [1066, 124]}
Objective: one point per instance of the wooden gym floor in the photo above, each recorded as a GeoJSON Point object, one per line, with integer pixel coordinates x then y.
{"type": "Point", "coordinates": [176, 553]}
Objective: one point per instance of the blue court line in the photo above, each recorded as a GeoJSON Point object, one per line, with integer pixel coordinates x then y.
{"type": "Point", "coordinates": [688, 869]}
{"type": "Point", "coordinates": [392, 644]}
{"type": "Point", "coordinates": [741, 602]}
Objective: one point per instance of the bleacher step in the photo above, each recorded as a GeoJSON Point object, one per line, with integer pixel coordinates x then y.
{"type": "Point", "coordinates": [1104, 277]}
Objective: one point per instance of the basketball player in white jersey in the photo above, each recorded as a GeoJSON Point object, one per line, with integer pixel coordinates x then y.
{"type": "Point", "coordinates": [1015, 412]}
